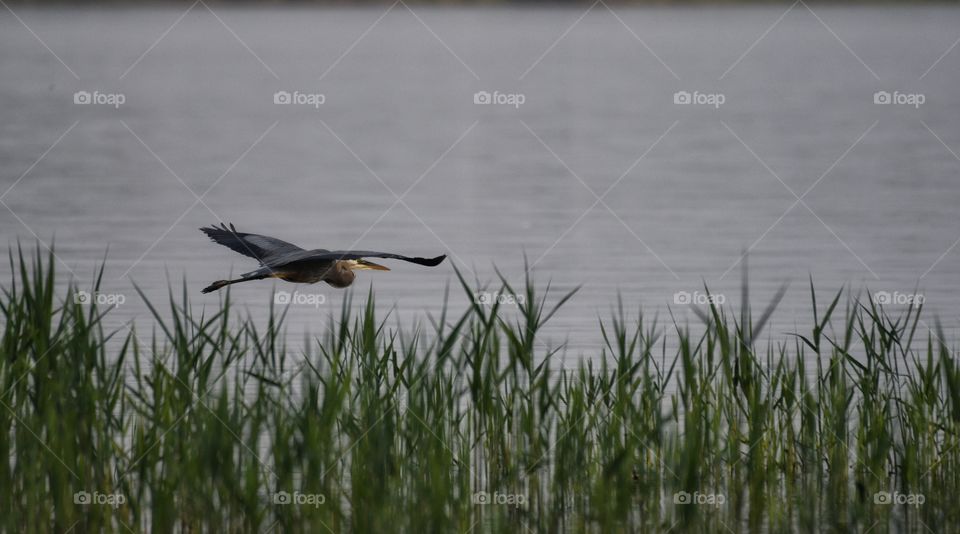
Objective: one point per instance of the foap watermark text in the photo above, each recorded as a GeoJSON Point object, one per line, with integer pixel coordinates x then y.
{"type": "Point", "coordinates": [708, 499]}
{"type": "Point", "coordinates": [686, 297]}
{"type": "Point", "coordinates": [283, 298]}
{"type": "Point", "coordinates": [483, 98]}
{"type": "Point", "coordinates": [884, 98]}
{"type": "Point", "coordinates": [85, 498]}
{"type": "Point", "coordinates": [909, 499]}
{"type": "Point", "coordinates": [898, 298]}
{"type": "Point", "coordinates": [84, 98]}
{"type": "Point", "coordinates": [300, 499]}
{"type": "Point", "coordinates": [490, 298]}
{"type": "Point", "coordinates": [697, 98]}
{"type": "Point", "coordinates": [101, 299]}
{"type": "Point", "coordinates": [510, 499]}
{"type": "Point", "coordinates": [285, 98]}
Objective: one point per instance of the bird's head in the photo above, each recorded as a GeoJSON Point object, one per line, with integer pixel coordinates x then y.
{"type": "Point", "coordinates": [364, 265]}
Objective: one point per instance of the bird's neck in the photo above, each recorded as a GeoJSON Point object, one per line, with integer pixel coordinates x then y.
{"type": "Point", "coordinates": [342, 276]}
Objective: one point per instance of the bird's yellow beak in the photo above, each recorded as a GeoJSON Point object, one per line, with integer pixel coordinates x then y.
{"type": "Point", "coordinates": [364, 265]}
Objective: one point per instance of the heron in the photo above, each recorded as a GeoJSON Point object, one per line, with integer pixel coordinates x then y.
{"type": "Point", "coordinates": [288, 262]}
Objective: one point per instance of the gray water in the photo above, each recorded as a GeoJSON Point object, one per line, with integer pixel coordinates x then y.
{"type": "Point", "coordinates": [690, 186]}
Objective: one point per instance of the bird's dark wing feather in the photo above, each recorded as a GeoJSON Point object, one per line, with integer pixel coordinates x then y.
{"type": "Point", "coordinates": [330, 255]}
{"type": "Point", "coordinates": [260, 247]}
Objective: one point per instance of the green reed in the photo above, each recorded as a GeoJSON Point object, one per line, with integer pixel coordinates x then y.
{"type": "Point", "coordinates": [211, 422]}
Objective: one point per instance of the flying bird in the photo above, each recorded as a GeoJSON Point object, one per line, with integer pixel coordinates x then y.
{"type": "Point", "coordinates": [286, 261]}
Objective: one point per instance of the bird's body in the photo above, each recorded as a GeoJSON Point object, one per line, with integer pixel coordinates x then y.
{"type": "Point", "coordinates": [288, 262]}
{"type": "Point", "coordinates": [337, 273]}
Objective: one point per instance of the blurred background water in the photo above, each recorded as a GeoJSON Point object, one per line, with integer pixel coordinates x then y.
{"type": "Point", "coordinates": [598, 179]}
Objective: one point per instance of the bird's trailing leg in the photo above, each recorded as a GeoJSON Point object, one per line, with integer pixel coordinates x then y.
{"type": "Point", "coordinates": [223, 283]}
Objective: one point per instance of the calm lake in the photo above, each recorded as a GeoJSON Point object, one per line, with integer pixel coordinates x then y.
{"type": "Point", "coordinates": [636, 151]}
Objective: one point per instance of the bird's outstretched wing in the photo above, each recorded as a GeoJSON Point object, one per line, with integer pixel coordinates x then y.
{"type": "Point", "coordinates": [262, 248]}
{"type": "Point", "coordinates": [329, 255]}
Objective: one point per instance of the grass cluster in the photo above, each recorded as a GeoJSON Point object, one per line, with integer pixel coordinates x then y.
{"type": "Point", "coordinates": [210, 423]}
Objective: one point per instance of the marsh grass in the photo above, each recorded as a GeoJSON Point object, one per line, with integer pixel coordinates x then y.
{"type": "Point", "coordinates": [210, 422]}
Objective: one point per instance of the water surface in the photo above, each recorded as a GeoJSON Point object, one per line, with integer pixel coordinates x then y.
{"type": "Point", "coordinates": [400, 158]}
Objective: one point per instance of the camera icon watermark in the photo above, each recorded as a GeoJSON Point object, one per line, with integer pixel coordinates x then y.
{"type": "Point", "coordinates": [84, 98]}
{"type": "Point", "coordinates": [85, 498]}
{"type": "Point", "coordinates": [285, 98]}
{"type": "Point", "coordinates": [101, 299]}
{"type": "Point", "coordinates": [885, 98]}
{"type": "Point", "coordinates": [908, 499]}
{"type": "Point", "coordinates": [484, 498]}
{"type": "Point", "coordinates": [897, 298]}
{"type": "Point", "coordinates": [299, 499]}
{"type": "Point", "coordinates": [706, 499]}
{"type": "Point", "coordinates": [686, 297]}
{"type": "Point", "coordinates": [485, 98]}
{"type": "Point", "coordinates": [697, 98]}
